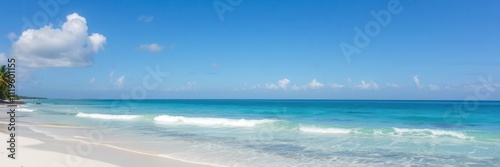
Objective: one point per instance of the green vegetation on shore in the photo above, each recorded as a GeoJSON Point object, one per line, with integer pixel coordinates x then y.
{"type": "Point", "coordinates": [29, 97]}
{"type": "Point", "coordinates": [5, 80]}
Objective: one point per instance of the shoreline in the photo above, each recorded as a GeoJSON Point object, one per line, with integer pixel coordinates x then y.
{"type": "Point", "coordinates": [38, 149]}
{"type": "Point", "coordinates": [210, 138]}
{"type": "Point", "coordinates": [29, 156]}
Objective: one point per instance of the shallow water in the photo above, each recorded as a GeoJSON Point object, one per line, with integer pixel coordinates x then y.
{"type": "Point", "coordinates": [292, 132]}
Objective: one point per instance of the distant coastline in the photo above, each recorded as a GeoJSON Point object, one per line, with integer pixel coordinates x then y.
{"type": "Point", "coordinates": [277, 99]}
{"type": "Point", "coordinates": [30, 97]}
{"type": "Point", "coordinates": [19, 100]}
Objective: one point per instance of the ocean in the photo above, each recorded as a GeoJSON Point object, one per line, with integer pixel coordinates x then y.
{"type": "Point", "coordinates": [286, 132]}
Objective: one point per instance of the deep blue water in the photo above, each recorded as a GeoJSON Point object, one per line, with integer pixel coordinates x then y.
{"type": "Point", "coordinates": [297, 132]}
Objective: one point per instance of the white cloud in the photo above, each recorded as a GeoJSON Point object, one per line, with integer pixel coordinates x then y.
{"type": "Point", "coordinates": [337, 86]}
{"type": "Point", "coordinates": [146, 18]}
{"type": "Point", "coordinates": [188, 86]}
{"type": "Point", "coordinates": [270, 86]}
{"type": "Point", "coordinates": [315, 84]}
{"type": "Point", "coordinates": [280, 85]}
{"type": "Point", "coordinates": [68, 46]}
{"type": "Point", "coordinates": [295, 88]}
{"type": "Point", "coordinates": [120, 82]}
{"type": "Point", "coordinates": [395, 86]}
{"type": "Point", "coordinates": [153, 47]}
{"type": "Point", "coordinates": [367, 85]}
{"type": "Point", "coordinates": [96, 42]}
{"type": "Point", "coordinates": [417, 82]}
{"type": "Point", "coordinates": [11, 36]}
{"type": "Point", "coordinates": [255, 86]}
{"type": "Point", "coordinates": [91, 81]}
{"type": "Point", "coordinates": [433, 87]}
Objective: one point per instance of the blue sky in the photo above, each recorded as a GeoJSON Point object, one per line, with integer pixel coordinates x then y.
{"type": "Point", "coordinates": [255, 49]}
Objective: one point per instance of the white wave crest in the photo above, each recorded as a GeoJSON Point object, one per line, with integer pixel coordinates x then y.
{"type": "Point", "coordinates": [431, 133]}
{"type": "Point", "coordinates": [107, 116]}
{"type": "Point", "coordinates": [325, 130]}
{"type": "Point", "coordinates": [167, 119]}
{"type": "Point", "coordinates": [24, 110]}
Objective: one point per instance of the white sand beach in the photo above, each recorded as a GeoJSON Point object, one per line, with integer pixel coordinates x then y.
{"type": "Point", "coordinates": [27, 156]}
{"type": "Point", "coordinates": [34, 149]}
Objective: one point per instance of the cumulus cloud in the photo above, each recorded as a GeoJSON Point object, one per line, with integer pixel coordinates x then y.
{"type": "Point", "coordinates": [120, 82]}
{"type": "Point", "coordinates": [255, 86]}
{"type": "Point", "coordinates": [295, 88]}
{"type": "Point", "coordinates": [367, 85]}
{"type": "Point", "coordinates": [282, 84]}
{"type": "Point", "coordinates": [417, 82]}
{"type": "Point", "coordinates": [433, 87]}
{"type": "Point", "coordinates": [68, 46]}
{"type": "Point", "coordinates": [146, 18]}
{"type": "Point", "coordinates": [396, 86]}
{"type": "Point", "coordinates": [188, 86]}
{"type": "Point", "coordinates": [337, 86]}
{"type": "Point", "coordinates": [117, 83]}
{"type": "Point", "coordinates": [153, 47]}
{"type": "Point", "coordinates": [315, 84]}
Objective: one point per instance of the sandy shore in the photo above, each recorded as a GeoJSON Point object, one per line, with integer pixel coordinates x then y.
{"type": "Point", "coordinates": [34, 149]}
{"type": "Point", "coordinates": [37, 150]}
{"type": "Point", "coordinates": [28, 156]}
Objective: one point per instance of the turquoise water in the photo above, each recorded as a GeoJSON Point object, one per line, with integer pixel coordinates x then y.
{"type": "Point", "coordinates": [294, 132]}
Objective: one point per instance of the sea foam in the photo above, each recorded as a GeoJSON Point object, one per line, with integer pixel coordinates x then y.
{"type": "Point", "coordinates": [430, 133]}
{"type": "Point", "coordinates": [24, 110]}
{"type": "Point", "coordinates": [200, 121]}
{"type": "Point", "coordinates": [107, 116]}
{"type": "Point", "coordinates": [312, 129]}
